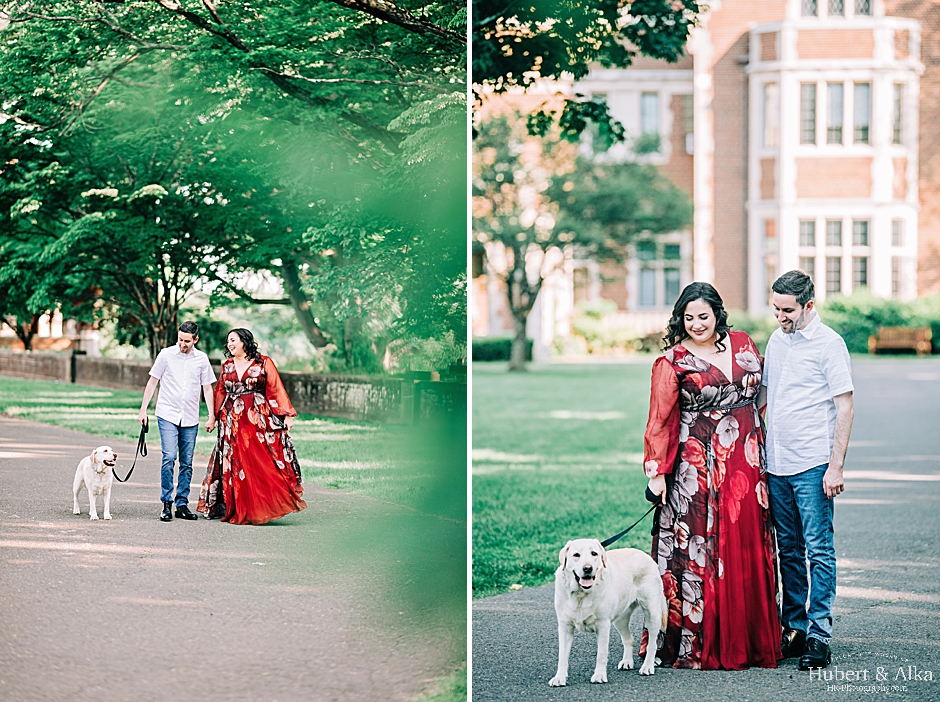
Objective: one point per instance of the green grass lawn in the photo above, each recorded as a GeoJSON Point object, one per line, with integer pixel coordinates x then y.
{"type": "Point", "coordinates": [422, 468]}
{"type": "Point", "coordinates": [557, 455]}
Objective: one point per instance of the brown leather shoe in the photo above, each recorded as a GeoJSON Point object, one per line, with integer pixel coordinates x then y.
{"type": "Point", "coordinates": [793, 643]}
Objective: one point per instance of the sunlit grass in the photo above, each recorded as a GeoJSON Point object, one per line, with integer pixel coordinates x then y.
{"type": "Point", "coordinates": [419, 468]}
{"type": "Point", "coordinates": [557, 455]}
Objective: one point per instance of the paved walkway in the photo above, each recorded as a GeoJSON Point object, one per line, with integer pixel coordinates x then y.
{"type": "Point", "coordinates": [887, 610]}
{"type": "Point", "coordinates": [352, 599]}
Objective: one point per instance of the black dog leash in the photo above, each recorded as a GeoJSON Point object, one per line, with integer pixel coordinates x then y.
{"type": "Point", "coordinates": [649, 496]}
{"type": "Point", "coordinates": [141, 451]}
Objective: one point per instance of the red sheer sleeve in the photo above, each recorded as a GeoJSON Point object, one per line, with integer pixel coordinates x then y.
{"type": "Point", "coordinates": [275, 392]}
{"type": "Point", "coordinates": [219, 392]}
{"type": "Point", "coordinates": [661, 441]}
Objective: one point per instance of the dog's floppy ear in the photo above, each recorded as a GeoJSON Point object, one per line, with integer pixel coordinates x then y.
{"type": "Point", "coordinates": [563, 554]}
{"type": "Point", "coordinates": [603, 554]}
{"type": "Point", "coordinates": [93, 456]}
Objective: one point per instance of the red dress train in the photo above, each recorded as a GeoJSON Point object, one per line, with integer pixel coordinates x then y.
{"type": "Point", "coordinates": [714, 543]}
{"type": "Point", "coordinates": [253, 475]}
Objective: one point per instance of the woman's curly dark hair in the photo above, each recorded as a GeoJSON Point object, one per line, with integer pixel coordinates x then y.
{"type": "Point", "coordinates": [248, 339]}
{"type": "Point", "coordinates": [675, 329]}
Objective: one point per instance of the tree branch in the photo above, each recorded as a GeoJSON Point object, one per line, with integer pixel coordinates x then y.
{"type": "Point", "coordinates": [399, 16]}
{"type": "Point", "coordinates": [414, 84]}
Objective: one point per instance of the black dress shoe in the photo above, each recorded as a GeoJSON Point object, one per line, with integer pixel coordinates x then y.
{"type": "Point", "coordinates": [167, 515]}
{"type": "Point", "coordinates": [793, 643]}
{"type": "Point", "coordinates": [182, 512]}
{"type": "Point", "coordinates": [817, 655]}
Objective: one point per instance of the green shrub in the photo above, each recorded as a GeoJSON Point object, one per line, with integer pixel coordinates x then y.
{"type": "Point", "coordinates": [858, 316]}
{"type": "Point", "coordinates": [925, 312]}
{"type": "Point", "coordinates": [758, 327]}
{"type": "Point", "coordinates": [596, 322]}
{"type": "Point", "coordinates": [497, 349]}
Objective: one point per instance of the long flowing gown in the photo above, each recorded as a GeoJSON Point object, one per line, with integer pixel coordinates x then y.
{"type": "Point", "coordinates": [253, 475]}
{"type": "Point", "coordinates": [714, 543]}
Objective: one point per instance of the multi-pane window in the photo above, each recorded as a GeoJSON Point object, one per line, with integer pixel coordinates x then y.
{"type": "Point", "coordinates": [860, 232]}
{"type": "Point", "coordinates": [809, 8]}
{"type": "Point", "coordinates": [808, 232]}
{"type": "Point", "coordinates": [895, 276]}
{"type": "Point", "coordinates": [862, 7]}
{"type": "Point", "coordinates": [896, 116]}
{"type": "Point", "coordinates": [660, 279]}
{"type": "Point", "coordinates": [808, 266]}
{"type": "Point", "coordinates": [672, 285]}
{"type": "Point", "coordinates": [834, 113]}
{"type": "Point", "coordinates": [771, 114]}
{"type": "Point", "coordinates": [862, 112]}
{"type": "Point", "coordinates": [836, 7]}
{"type": "Point", "coordinates": [647, 287]}
{"type": "Point", "coordinates": [649, 113]}
{"type": "Point", "coordinates": [859, 272]}
{"type": "Point", "coordinates": [833, 274]}
{"type": "Point", "coordinates": [808, 113]}
{"type": "Point", "coordinates": [897, 232]}
{"type": "Point", "coordinates": [833, 232]}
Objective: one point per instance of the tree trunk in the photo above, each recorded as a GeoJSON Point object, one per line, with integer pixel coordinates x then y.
{"type": "Point", "coordinates": [522, 296]}
{"type": "Point", "coordinates": [25, 331]}
{"type": "Point", "coordinates": [351, 329]}
{"type": "Point", "coordinates": [301, 304]}
{"type": "Point", "coordinates": [517, 357]}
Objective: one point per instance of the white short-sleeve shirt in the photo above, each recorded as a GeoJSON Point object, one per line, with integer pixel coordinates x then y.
{"type": "Point", "coordinates": [181, 377]}
{"type": "Point", "coordinates": [803, 371]}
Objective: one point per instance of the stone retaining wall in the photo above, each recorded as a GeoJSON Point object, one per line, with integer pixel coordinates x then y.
{"type": "Point", "coordinates": [39, 366]}
{"type": "Point", "coordinates": [122, 374]}
{"type": "Point", "coordinates": [391, 400]}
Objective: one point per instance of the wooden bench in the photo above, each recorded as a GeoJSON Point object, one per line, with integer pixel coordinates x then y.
{"type": "Point", "coordinates": [901, 338]}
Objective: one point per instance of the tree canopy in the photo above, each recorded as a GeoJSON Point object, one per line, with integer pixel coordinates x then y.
{"type": "Point", "coordinates": [533, 195]}
{"type": "Point", "coordinates": [516, 44]}
{"type": "Point", "coordinates": [164, 147]}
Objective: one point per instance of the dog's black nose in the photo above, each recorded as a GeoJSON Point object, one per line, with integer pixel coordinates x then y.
{"type": "Point", "coordinates": [588, 569]}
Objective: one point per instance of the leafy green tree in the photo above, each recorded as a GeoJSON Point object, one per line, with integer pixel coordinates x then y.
{"type": "Point", "coordinates": [533, 196]}
{"type": "Point", "coordinates": [303, 119]}
{"type": "Point", "coordinates": [515, 44]}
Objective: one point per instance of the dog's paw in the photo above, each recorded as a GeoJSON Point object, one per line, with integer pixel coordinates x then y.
{"type": "Point", "coordinates": [625, 664]}
{"type": "Point", "coordinates": [76, 511]}
{"type": "Point", "coordinates": [647, 669]}
{"type": "Point", "coordinates": [600, 676]}
{"type": "Point", "coordinates": [558, 681]}
{"type": "Point", "coordinates": [94, 517]}
{"type": "Point", "coordinates": [107, 516]}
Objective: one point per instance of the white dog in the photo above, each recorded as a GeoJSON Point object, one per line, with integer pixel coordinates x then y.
{"type": "Point", "coordinates": [94, 474]}
{"type": "Point", "coordinates": [596, 588]}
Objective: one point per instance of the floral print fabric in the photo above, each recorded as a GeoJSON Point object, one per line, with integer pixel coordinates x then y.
{"type": "Point", "coordinates": [253, 475]}
{"type": "Point", "coordinates": [714, 542]}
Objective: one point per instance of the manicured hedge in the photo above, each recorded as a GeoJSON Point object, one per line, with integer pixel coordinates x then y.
{"type": "Point", "coordinates": [497, 349]}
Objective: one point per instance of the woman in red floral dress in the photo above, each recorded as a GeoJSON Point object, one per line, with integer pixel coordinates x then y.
{"type": "Point", "coordinates": [704, 452]}
{"type": "Point", "coordinates": [253, 475]}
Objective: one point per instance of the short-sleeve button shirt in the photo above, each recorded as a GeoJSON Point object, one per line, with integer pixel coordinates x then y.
{"type": "Point", "coordinates": [181, 377]}
{"type": "Point", "coordinates": [803, 371]}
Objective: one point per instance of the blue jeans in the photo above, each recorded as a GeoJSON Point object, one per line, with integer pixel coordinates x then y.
{"type": "Point", "coordinates": [174, 440]}
{"type": "Point", "coordinates": [802, 516]}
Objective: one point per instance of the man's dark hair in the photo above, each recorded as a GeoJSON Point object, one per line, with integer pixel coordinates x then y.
{"type": "Point", "coordinates": [798, 284]}
{"type": "Point", "coordinates": [190, 328]}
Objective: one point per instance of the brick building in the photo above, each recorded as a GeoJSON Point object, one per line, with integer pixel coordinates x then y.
{"type": "Point", "coordinates": [803, 131]}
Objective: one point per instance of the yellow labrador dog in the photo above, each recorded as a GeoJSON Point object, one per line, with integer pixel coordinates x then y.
{"type": "Point", "coordinates": [595, 588]}
{"type": "Point", "coordinates": [94, 474]}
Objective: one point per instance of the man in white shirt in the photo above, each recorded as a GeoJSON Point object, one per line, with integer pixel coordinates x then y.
{"type": "Point", "coordinates": [181, 370]}
{"type": "Point", "coordinates": [808, 392]}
